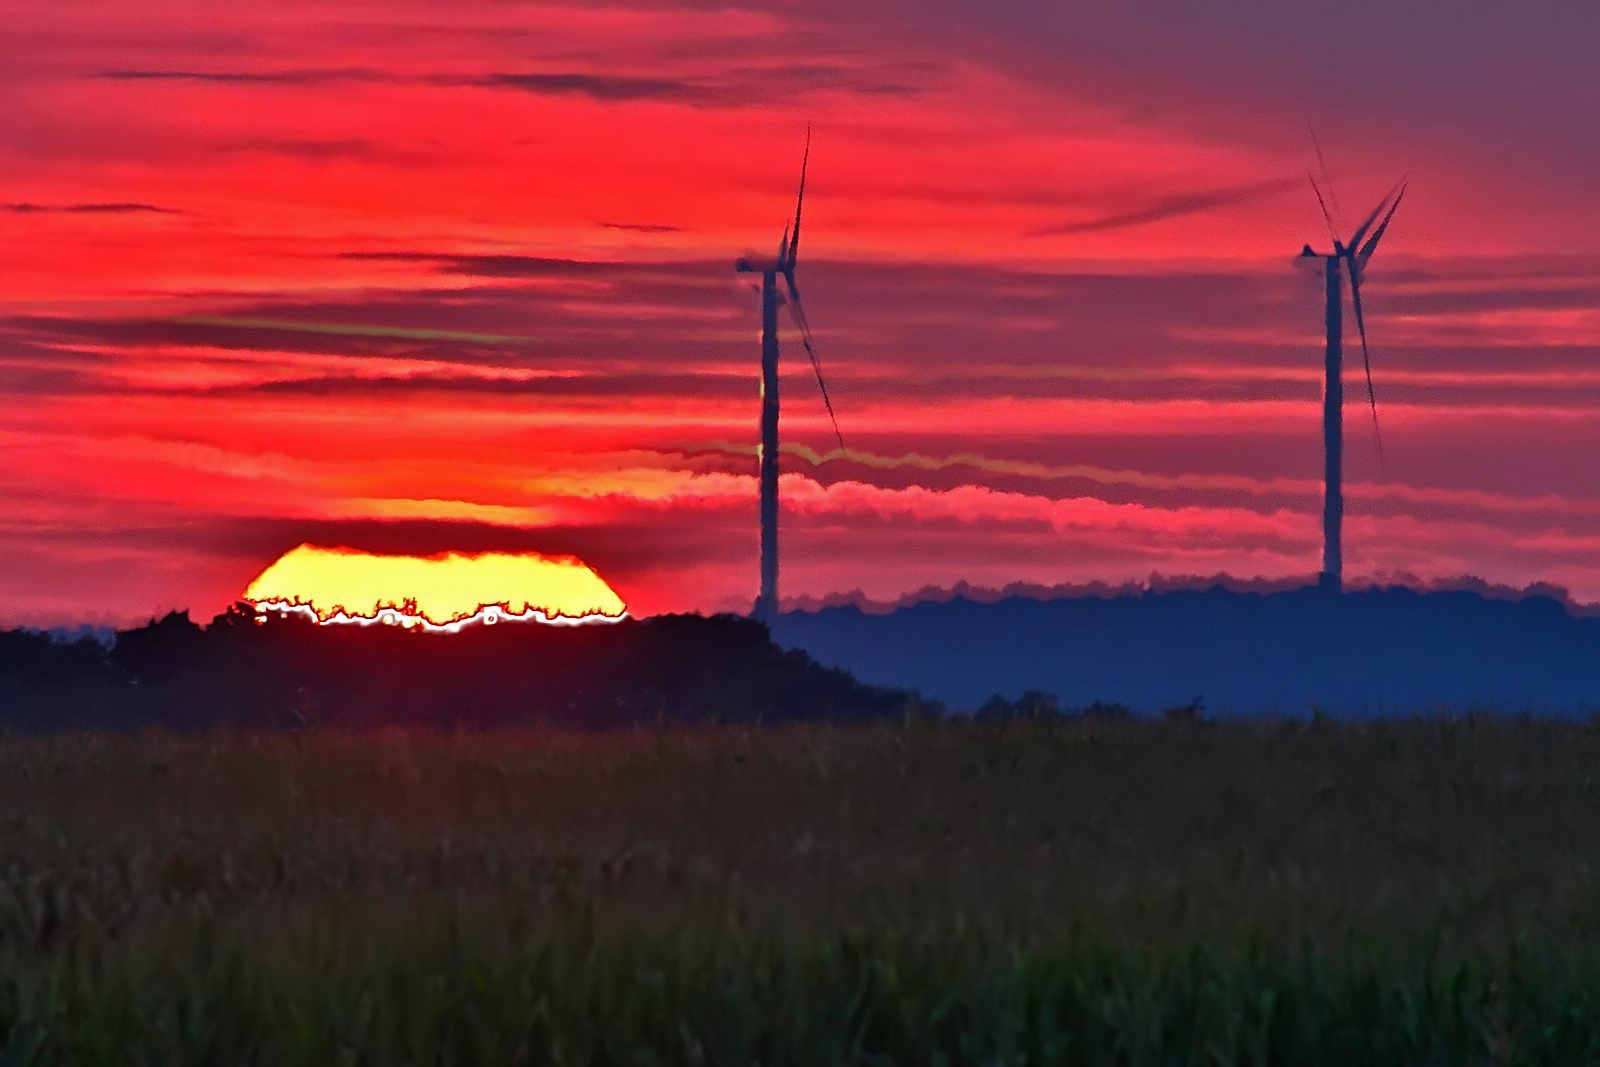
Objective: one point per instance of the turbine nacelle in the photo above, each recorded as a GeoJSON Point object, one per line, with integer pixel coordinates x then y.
{"type": "Point", "coordinates": [1310, 257]}
{"type": "Point", "coordinates": [754, 263]}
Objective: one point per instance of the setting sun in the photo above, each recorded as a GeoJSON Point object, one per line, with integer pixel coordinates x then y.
{"type": "Point", "coordinates": [447, 591]}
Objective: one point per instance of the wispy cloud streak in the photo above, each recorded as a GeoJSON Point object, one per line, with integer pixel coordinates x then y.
{"type": "Point", "coordinates": [1173, 206]}
{"type": "Point", "coordinates": [25, 208]}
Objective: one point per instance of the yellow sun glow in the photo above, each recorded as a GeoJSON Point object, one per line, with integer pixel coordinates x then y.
{"type": "Point", "coordinates": [447, 591]}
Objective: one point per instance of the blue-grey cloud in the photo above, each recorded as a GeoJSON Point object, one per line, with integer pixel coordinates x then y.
{"type": "Point", "coordinates": [295, 76]}
{"type": "Point", "coordinates": [605, 87]}
{"type": "Point", "coordinates": [642, 227]}
{"type": "Point", "coordinates": [27, 208]}
{"type": "Point", "coordinates": [733, 87]}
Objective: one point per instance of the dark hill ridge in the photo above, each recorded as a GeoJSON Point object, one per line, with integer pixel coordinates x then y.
{"type": "Point", "coordinates": [292, 673]}
{"type": "Point", "coordinates": [1379, 651]}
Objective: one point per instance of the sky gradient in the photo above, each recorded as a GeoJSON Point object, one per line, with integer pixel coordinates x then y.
{"type": "Point", "coordinates": [406, 277]}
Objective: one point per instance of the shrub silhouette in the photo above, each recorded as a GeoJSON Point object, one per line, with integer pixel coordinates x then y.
{"type": "Point", "coordinates": [30, 656]}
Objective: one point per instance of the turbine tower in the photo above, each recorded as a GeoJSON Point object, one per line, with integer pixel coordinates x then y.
{"type": "Point", "coordinates": [771, 269]}
{"type": "Point", "coordinates": [1353, 256]}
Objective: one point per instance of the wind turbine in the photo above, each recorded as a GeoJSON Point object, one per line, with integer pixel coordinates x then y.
{"type": "Point", "coordinates": [1353, 255]}
{"type": "Point", "coordinates": [770, 269]}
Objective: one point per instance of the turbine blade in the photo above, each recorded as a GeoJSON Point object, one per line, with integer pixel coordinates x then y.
{"type": "Point", "coordinates": [1324, 206]}
{"type": "Point", "coordinates": [1355, 238]}
{"type": "Point", "coordinates": [800, 201]}
{"type": "Point", "coordinates": [1372, 242]}
{"type": "Point", "coordinates": [1333, 194]}
{"type": "Point", "coordinates": [799, 313]}
{"type": "Point", "coordinates": [1366, 362]}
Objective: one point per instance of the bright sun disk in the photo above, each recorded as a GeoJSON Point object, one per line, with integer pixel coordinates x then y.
{"type": "Point", "coordinates": [447, 591]}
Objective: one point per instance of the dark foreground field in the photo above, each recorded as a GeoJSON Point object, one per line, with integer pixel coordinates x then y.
{"type": "Point", "coordinates": [996, 893]}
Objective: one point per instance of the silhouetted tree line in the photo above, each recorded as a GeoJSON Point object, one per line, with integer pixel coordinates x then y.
{"type": "Point", "coordinates": [1369, 652]}
{"type": "Point", "coordinates": [38, 657]}
{"type": "Point", "coordinates": [1037, 704]}
{"type": "Point", "coordinates": [289, 673]}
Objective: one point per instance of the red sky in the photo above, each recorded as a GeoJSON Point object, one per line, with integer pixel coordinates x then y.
{"type": "Point", "coordinates": [410, 276]}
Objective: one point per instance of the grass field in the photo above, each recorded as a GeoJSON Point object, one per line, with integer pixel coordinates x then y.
{"type": "Point", "coordinates": [996, 893]}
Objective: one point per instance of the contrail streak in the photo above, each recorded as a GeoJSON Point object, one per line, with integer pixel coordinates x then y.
{"type": "Point", "coordinates": [1169, 207]}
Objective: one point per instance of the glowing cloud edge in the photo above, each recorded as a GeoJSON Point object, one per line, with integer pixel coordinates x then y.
{"type": "Point", "coordinates": [488, 615]}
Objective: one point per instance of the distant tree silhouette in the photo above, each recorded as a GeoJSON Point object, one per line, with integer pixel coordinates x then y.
{"type": "Point", "coordinates": [1193, 713]}
{"type": "Point", "coordinates": [1105, 711]}
{"type": "Point", "coordinates": [242, 671]}
{"type": "Point", "coordinates": [40, 657]}
{"type": "Point", "coordinates": [159, 651]}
